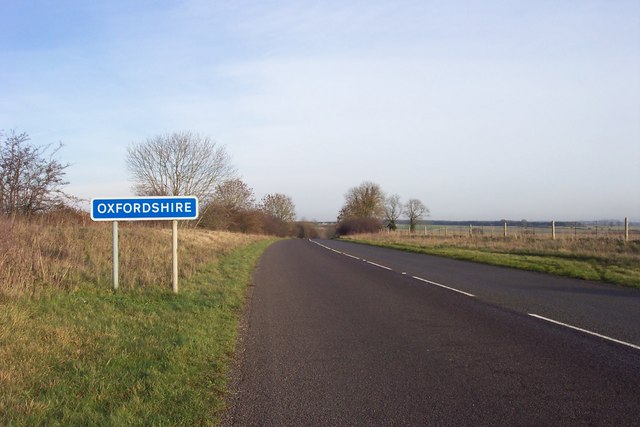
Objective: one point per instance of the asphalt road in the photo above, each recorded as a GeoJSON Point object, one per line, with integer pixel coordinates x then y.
{"type": "Point", "coordinates": [338, 335]}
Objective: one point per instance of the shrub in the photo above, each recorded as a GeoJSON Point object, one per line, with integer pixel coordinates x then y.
{"type": "Point", "coordinates": [307, 230]}
{"type": "Point", "coordinates": [358, 226]}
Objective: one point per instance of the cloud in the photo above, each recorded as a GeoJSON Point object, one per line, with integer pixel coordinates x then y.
{"type": "Point", "coordinates": [474, 108]}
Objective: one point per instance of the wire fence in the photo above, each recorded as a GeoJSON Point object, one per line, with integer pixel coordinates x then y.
{"type": "Point", "coordinates": [551, 230]}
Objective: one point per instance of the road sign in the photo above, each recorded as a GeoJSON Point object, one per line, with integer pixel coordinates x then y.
{"type": "Point", "coordinates": [144, 208]}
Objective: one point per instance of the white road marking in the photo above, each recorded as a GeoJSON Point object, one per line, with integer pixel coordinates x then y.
{"type": "Point", "coordinates": [320, 244]}
{"type": "Point", "coordinates": [326, 247]}
{"type": "Point", "coordinates": [378, 265]}
{"type": "Point", "coordinates": [443, 286]}
{"type": "Point", "coordinates": [473, 296]}
{"type": "Point", "coordinates": [390, 269]}
{"type": "Point", "coordinates": [585, 331]}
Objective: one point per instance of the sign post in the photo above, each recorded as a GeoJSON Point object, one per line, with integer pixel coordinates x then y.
{"type": "Point", "coordinates": [174, 237]}
{"type": "Point", "coordinates": [115, 255]}
{"type": "Point", "coordinates": [172, 208]}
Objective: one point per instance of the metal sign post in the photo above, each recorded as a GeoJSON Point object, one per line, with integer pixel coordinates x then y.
{"type": "Point", "coordinates": [115, 255]}
{"type": "Point", "coordinates": [172, 208]}
{"type": "Point", "coordinates": [174, 237]}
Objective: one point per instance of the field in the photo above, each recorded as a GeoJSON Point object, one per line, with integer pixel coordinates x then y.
{"type": "Point", "coordinates": [74, 352]}
{"type": "Point", "coordinates": [602, 259]}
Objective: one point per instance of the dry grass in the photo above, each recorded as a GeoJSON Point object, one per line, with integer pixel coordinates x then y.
{"type": "Point", "coordinates": [75, 353]}
{"type": "Point", "coordinates": [150, 357]}
{"type": "Point", "coordinates": [566, 245]}
{"type": "Point", "coordinates": [606, 259]}
{"type": "Point", "coordinates": [37, 255]}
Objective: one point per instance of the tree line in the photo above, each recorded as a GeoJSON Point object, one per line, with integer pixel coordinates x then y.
{"type": "Point", "coordinates": [187, 163]}
{"type": "Point", "coordinates": [367, 209]}
{"type": "Point", "coordinates": [172, 164]}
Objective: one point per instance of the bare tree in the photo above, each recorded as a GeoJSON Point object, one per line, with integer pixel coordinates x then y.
{"type": "Point", "coordinates": [279, 206]}
{"type": "Point", "coordinates": [176, 164]}
{"type": "Point", "coordinates": [414, 210]}
{"type": "Point", "coordinates": [363, 201]}
{"type": "Point", "coordinates": [234, 195]}
{"type": "Point", "coordinates": [392, 211]}
{"type": "Point", "coordinates": [231, 207]}
{"type": "Point", "coordinates": [30, 179]}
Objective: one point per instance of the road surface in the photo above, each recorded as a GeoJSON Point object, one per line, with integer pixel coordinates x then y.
{"type": "Point", "coordinates": [345, 334]}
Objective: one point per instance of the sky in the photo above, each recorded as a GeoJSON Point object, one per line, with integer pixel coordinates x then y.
{"type": "Point", "coordinates": [482, 110]}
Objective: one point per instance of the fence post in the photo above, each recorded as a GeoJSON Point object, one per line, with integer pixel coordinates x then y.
{"type": "Point", "coordinates": [505, 229]}
{"type": "Point", "coordinates": [553, 230]}
{"type": "Point", "coordinates": [626, 229]}
{"type": "Point", "coordinates": [470, 230]}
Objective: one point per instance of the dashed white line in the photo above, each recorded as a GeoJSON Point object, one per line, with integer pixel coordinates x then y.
{"type": "Point", "coordinates": [378, 265]}
{"type": "Point", "coordinates": [390, 269]}
{"type": "Point", "coordinates": [324, 246]}
{"type": "Point", "coordinates": [472, 295]}
{"type": "Point", "coordinates": [585, 331]}
{"type": "Point", "coordinates": [320, 244]}
{"type": "Point", "coordinates": [443, 286]}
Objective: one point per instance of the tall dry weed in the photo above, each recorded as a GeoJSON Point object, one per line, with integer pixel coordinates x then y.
{"type": "Point", "coordinates": [66, 254]}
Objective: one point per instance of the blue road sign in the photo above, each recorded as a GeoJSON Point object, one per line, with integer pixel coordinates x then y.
{"type": "Point", "coordinates": [144, 208]}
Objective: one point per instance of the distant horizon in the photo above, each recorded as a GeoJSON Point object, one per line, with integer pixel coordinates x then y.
{"type": "Point", "coordinates": [618, 222]}
{"type": "Point", "coordinates": [536, 221]}
{"type": "Point", "coordinates": [632, 220]}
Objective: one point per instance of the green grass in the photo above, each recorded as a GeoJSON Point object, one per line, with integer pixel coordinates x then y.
{"type": "Point", "coordinates": [611, 269]}
{"type": "Point", "coordinates": [148, 357]}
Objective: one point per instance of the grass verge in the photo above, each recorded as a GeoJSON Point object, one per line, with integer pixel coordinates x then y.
{"type": "Point", "coordinates": [138, 357]}
{"type": "Point", "coordinates": [607, 266]}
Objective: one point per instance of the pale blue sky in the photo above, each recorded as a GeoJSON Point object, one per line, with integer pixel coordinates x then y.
{"type": "Point", "coordinates": [481, 109]}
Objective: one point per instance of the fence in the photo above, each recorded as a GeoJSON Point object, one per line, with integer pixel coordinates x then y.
{"type": "Point", "coordinates": [551, 230]}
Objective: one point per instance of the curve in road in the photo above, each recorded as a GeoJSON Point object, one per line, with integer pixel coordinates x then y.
{"type": "Point", "coordinates": [332, 340]}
